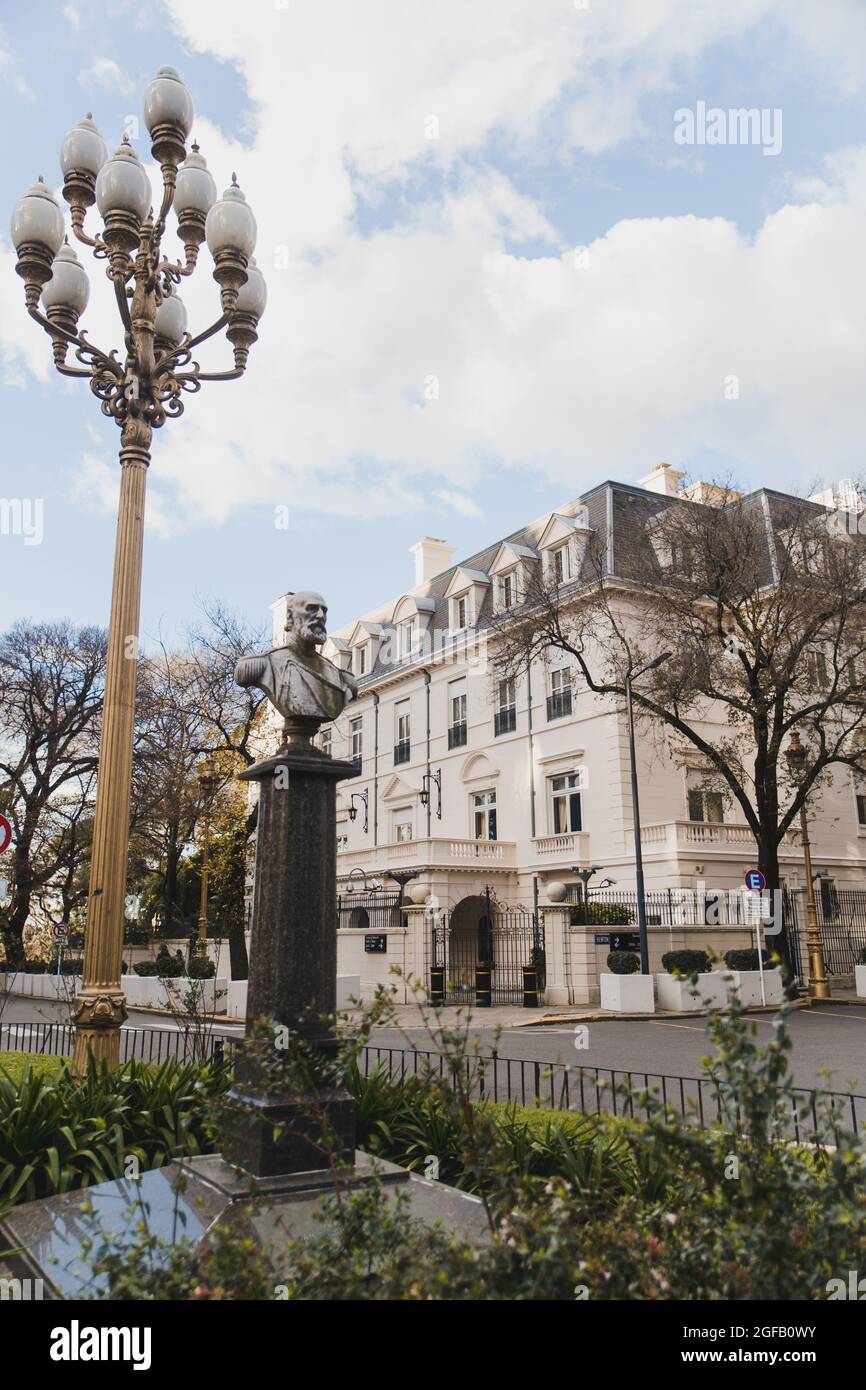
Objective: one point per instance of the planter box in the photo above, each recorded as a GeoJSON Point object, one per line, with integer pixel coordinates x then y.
{"type": "Point", "coordinates": [627, 994]}
{"type": "Point", "coordinates": [677, 995]}
{"type": "Point", "coordinates": [58, 988]}
{"type": "Point", "coordinates": [860, 981]}
{"type": "Point", "coordinates": [747, 984]}
{"type": "Point", "coordinates": [348, 987]}
{"type": "Point", "coordinates": [150, 992]}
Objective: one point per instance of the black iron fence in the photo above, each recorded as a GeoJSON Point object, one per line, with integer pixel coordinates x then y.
{"type": "Point", "coordinates": [506, 943]}
{"type": "Point", "coordinates": [631, 1094]}
{"type": "Point", "coordinates": [375, 912]}
{"type": "Point", "coordinates": [841, 915]}
{"type": "Point", "coordinates": [548, 1085]}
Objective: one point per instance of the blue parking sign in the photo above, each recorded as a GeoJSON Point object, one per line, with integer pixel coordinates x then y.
{"type": "Point", "coordinates": [755, 880]}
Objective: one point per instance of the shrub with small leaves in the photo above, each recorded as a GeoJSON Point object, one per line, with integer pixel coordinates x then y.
{"type": "Point", "coordinates": [686, 962]}
{"type": "Point", "coordinates": [746, 959]}
{"type": "Point", "coordinates": [623, 963]}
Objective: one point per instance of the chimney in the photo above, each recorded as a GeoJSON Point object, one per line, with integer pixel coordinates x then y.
{"type": "Point", "coordinates": [663, 479]}
{"type": "Point", "coordinates": [432, 556]}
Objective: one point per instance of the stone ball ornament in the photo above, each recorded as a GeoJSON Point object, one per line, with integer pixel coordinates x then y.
{"type": "Point", "coordinates": [418, 893]}
{"type": "Point", "coordinates": [557, 890]}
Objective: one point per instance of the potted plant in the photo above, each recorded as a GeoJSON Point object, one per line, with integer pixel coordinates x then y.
{"type": "Point", "coordinates": [625, 989]}
{"type": "Point", "coordinates": [745, 977]}
{"type": "Point", "coordinates": [688, 982]}
{"type": "Point", "coordinates": [860, 975]}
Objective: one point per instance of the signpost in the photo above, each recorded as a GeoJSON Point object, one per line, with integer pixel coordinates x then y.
{"type": "Point", "coordinates": [61, 932]}
{"type": "Point", "coordinates": [756, 882]}
{"type": "Point", "coordinates": [5, 834]}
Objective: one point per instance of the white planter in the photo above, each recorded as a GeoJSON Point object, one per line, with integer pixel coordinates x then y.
{"type": "Point", "coordinates": [677, 995]}
{"type": "Point", "coordinates": [150, 992]}
{"type": "Point", "coordinates": [348, 987]}
{"type": "Point", "coordinates": [860, 981]}
{"type": "Point", "coordinates": [627, 994]}
{"type": "Point", "coordinates": [747, 984]}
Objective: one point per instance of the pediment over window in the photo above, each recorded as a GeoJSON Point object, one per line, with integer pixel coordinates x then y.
{"type": "Point", "coordinates": [463, 579]}
{"type": "Point", "coordinates": [562, 546]}
{"type": "Point", "coordinates": [337, 649]}
{"type": "Point", "coordinates": [396, 789]}
{"type": "Point", "coordinates": [510, 554]}
{"type": "Point", "coordinates": [478, 767]}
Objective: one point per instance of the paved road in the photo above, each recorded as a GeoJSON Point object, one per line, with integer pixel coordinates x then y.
{"type": "Point", "coordinates": [833, 1037]}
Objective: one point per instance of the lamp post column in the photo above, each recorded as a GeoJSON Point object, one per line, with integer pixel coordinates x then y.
{"type": "Point", "coordinates": [819, 986]}
{"type": "Point", "coordinates": [100, 1008]}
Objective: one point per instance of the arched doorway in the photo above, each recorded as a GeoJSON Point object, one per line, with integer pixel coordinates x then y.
{"type": "Point", "coordinates": [504, 938]}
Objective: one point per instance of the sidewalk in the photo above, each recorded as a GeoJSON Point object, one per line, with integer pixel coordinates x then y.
{"type": "Point", "coordinates": [411, 1016]}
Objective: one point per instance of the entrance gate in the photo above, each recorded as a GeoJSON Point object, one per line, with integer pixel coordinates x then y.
{"type": "Point", "coordinates": [477, 934]}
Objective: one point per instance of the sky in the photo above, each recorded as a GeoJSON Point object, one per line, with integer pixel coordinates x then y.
{"type": "Point", "coordinates": [513, 248]}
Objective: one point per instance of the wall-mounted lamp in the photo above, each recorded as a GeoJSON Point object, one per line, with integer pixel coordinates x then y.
{"type": "Point", "coordinates": [353, 810]}
{"type": "Point", "coordinates": [427, 782]}
{"type": "Point", "coordinates": [374, 886]}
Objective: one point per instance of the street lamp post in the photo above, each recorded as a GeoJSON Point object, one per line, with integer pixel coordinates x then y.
{"type": "Point", "coordinates": [139, 392]}
{"type": "Point", "coordinates": [635, 802]}
{"type": "Point", "coordinates": [209, 780]}
{"type": "Point", "coordinates": [819, 986]}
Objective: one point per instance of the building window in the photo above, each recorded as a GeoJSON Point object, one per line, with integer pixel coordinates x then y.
{"type": "Point", "coordinates": [706, 805]}
{"type": "Point", "coordinates": [505, 715]}
{"type": "Point", "coordinates": [460, 613]}
{"type": "Point", "coordinates": [860, 793]}
{"type": "Point", "coordinates": [360, 661]}
{"type": "Point", "coordinates": [559, 699]}
{"type": "Point", "coordinates": [342, 836]}
{"type": "Point", "coordinates": [484, 815]}
{"type": "Point", "coordinates": [507, 591]}
{"type": "Point", "coordinates": [560, 564]}
{"type": "Point", "coordinates": [829, 899]}
{"type": "Point", "coordinates": [457, 714]}
{"type": "Point", "coordinates": [402, 737]}
{"type": "Point", "coordinates": [403, 825]}
{"type": "Point", "coordinates": [407, 639]}
{"type": "Point", "coordinates": [565, 804]}
{"type": "Point", "coordinates": [356, 740]}
{"type": "Point", "coordinates": [325, 739]}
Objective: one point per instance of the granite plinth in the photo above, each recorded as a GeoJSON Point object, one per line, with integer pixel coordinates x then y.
{"type": "Point", "coordinates": [46, 1236]}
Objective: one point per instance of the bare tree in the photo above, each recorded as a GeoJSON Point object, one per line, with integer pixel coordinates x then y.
{"type": "Point", "coordinates": [51, 690]}
{"type": "Point", "coordinates": [761, 603]}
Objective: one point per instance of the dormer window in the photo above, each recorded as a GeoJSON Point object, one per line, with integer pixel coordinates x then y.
{"type": "Point", "coordinates": [563, 544]}
{"type": "Point", "coordinates": [407, 632]}
{"type": "Point", "coordinates": [560, 564]}
{"type": "Point", "coordinates": [465, 595]}
{"type": "Point", "coordinates": [508, 591]}
{"type": "Point", "coordinates": [360, 661]}
{"type": "Point", "coordinates": [461, 608]}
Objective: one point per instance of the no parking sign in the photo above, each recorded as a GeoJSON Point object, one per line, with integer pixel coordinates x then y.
{"type": "Point", "coordinates": [754, 879]}
{"type": "Point", "coordinates": [5, 834]}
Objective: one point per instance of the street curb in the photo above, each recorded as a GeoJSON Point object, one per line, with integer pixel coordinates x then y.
{"type": "Point", "coordinates": [607, 1017]}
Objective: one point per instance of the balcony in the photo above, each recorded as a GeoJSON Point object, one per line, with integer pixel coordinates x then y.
{"type": "Point", "coordinates": [505, 721]}
{"type": "Point", "coordinates": [441, 852]}
{"type": "Point", "coordinates": [402, 751]}
{"type": "Point", "coordinates": [457, 736]}
{"type": "Point", "coordinates": [559, 704]}
{"type": "Point", "coordinates": [356, 760]}
{"type": "Point", "coordinates": [687, 836]}
{"type": "Point", "coordinates": [572, 848]}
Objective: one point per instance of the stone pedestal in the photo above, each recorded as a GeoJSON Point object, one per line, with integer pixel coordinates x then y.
{"type": "Point", "coordinates": [293, 965]}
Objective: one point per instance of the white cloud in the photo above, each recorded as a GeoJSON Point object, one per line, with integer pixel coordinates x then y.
{"type": "Point", "coordinates": [458, 502]}
{"type": "Point", "coordinates": [10, 71]}
{"type": "Point", "coordinates": [107, 75]}
{"type": "Point", "coordinates": [578, 372]}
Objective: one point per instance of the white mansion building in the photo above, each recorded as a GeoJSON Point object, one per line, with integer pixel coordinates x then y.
{"type": "Point", "coordinates": [472, 782]}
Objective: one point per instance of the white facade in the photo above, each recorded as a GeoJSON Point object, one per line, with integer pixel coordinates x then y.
{"type": "Point", "coordinates": [534, 778]}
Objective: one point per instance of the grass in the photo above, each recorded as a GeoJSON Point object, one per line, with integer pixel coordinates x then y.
{"type": "Point", "coordinates": [15, 1064]}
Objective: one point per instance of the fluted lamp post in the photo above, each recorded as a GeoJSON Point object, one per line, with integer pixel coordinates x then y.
{"type": "Point", "coordinates": [819, 986]}
{"type": "Point", "coordinates": [209, 781]}
{"type": "Point", "coordinates": [139, 389]}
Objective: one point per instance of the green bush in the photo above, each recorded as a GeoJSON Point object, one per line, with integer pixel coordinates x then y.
{"type": "Point", "coordinates": [686, 962]}
{"type": "Point", "coordinates": [602, 914]}
{"type": "Point", "coordinates": [65, 1132]}
{"type": "Point", "coordinates": [145, 968]}
{"type": "Point", "coordinates": [201, 969]}
{"type": "Point", "coordinates": [35, 967]}
{"type": "Point", "coordinates": [623, 962]}
{"type": "Point", "coordinates": [746, 959]}
{"type": "Point", "coordinates": [169, 967]}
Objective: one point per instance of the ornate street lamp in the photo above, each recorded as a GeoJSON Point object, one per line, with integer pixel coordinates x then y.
{"type": "Point", "coordinates": [819, 987]}
{"type": "Point", "coordinates": [139, 391]}
{"type": "Point", "coordinates": [428, 782]}
{"type": "Point", "coordinates": [364, 798]}
{"type": "Point", "coordinates": [209, 781]}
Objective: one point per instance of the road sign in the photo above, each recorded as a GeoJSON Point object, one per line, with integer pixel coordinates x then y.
{"type": "Point", "coordinates": [754, 879]}
{"type": "Point", "coordinates": [5, 834]}
{"type": "Point", "coordinates": [60, 932]}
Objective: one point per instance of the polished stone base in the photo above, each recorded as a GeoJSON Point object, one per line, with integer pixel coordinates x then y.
{"type": "Point", "coordinates": [269, 1136]}
{"type": "Point", "coordinates": [47, 1236]}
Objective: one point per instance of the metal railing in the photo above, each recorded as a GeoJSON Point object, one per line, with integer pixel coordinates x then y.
{"type": "Point", "coordinates": [456, 735]}
{"type": "Point", "coordinates": [505, 720]}
{"type": "Point", "coordinates": [525, 1081]}
{"type": "Point", "coordinates": [402, 751]}
{"type": "Point", "coordinates": [559, 704]}
{"type": "Point", "coordinates": [628, 1094]}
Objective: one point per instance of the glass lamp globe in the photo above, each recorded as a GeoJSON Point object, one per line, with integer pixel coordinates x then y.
{"type": "Point", "coordinates": [230, 224]}
{"type": "Point", "coordinates": [37, 218]}
{"type": "Point", "coordinates": [84, 150]}
{"type": "Point", "coordinates": [68, 287]}
{"type": "Point", "coordinates": [122, 184]}
{"type": "Point", "coordinates": [167, 102]}
{"type": "Point", "coordinates": [253, 296]}
{"type": "Point", "coordinates": [170, 322]}
{"type": "Point", "coordinates": [196, 190]}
